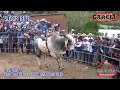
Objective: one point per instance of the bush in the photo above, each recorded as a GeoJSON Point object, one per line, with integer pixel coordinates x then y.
{"type": "Point", "coordinates": [80, 21]}
{"type": "Point", "coordinates": [77, 19]}
{"type": "Point", "coordinates": [91, 27]}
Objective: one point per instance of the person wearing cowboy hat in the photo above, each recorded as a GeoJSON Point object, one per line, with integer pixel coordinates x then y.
{"type": "Point", "coordinates": [42, 25]}
{"type": "Point", "coordinates": [118, 35]}
{"type": "Point", "coordinates": [79, 34]}
{"type": "Point", "coordinates": [83, 35]}
{"type": "Point", "coordinates": [90, 36]}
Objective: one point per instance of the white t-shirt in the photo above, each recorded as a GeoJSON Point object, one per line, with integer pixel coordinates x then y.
{"type": "Point", "coordinates": [89, 47]}
{"type": "Point", "coordinates": [1, 40]}
{"type": "Point", "coordinates": [85, 45]}
{"type": "Point", "coordinates": [78, 44]}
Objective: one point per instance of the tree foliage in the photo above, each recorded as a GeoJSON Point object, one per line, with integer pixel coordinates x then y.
{"type": "Point", "coordinates": [90, 27]}
{"type": "Point", "coordinates": [80, 21]}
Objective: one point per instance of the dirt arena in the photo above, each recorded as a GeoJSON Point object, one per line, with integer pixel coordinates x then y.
{"type": "Point", "coordinates": [28, 63]}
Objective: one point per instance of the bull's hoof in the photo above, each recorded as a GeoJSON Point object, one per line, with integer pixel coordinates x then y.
{"type": "Point", "coordinates": [61, 68]}
{"type": "Point", "coordinates": [46, 66]}
{"type": "Point", "coordinates": [40, 67]}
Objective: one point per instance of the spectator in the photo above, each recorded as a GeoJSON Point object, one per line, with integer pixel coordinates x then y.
{"type": "Point", "coordinates": [118, 36]}
{"type": "Point", "coordinates": [15, 46]}
{"type": "Point", "coordinates": [5, 40]}
{"type": "Point", "coordinates": [113, 35]}
{"type": "Point", "coordinates": [90, 51]}
{"type": "Point", "coordinates": [85, 52]}
{"type": "Point", "coordinates": [79, 48]}
{"type": "Point", "coordinates": [28, 45]}
{"type": "Point", "coordinates": [32, 43]}
{"type": "Point", "coordinates": [72, 48]}
{"type": "Point", "coordinates": [42, 26]}
{"type": "Point", "coordinates": [106, 34]}
{"type": "Point", "coordinates": [21, 41]}
{"type": "Point", "coordinates": [1, 43]}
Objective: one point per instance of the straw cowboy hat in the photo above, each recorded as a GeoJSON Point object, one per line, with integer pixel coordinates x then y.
{"type": "Point", "coordinates": [26, 35]}
{"type": "Point", "coordinates": [56, 25]}
{"type": "Point", "coordinates": [63, 30]}
{"type": "Point", "coordinates": [90, 34]}
{"type": "Point", "coordinates": [72, 30]}
{"type": "Point", "coordinates": [79, 34]}
{"type": "Point", "coordinates": [83, 34]}
{"type": "Point", "coordinates": [38, 20]}
{"type": "Point", "coordinates": [43, 20]}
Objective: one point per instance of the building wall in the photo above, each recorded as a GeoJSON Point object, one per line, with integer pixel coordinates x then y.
{"type": "Point", "coordinates": [53, 18]}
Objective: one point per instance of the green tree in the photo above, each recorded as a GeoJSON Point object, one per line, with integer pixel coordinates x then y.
{"type": "Point", "coordinates": [90, 27]}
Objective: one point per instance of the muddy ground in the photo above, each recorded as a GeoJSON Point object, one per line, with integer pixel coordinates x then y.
{"type": "Point", "coordinates": [28, 63]}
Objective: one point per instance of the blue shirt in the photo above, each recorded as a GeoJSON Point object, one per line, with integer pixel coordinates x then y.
{"type": "Point", "coordinates": [118, 36]}
{"type": "Point", "coordinates": [94, 48]}
{"type": "Point", "coordinates": [21, 39]}
{"type": "Point", "coordinates": [42, 27]}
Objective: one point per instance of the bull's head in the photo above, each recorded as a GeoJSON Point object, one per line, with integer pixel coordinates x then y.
{"type": "Point", "coordinates": [68, 41]}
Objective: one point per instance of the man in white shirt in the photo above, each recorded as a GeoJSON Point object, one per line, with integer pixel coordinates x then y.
{"type": "Point", "coordinates": [72, 47]}
{"type": "Point", "coordinates": [85, 50]}
{"type": "Point", "coordinates": [90, 51]}
{"type": "Point", "coordinates": [79, 48]}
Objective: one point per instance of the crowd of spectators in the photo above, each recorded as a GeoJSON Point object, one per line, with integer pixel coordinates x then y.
{"type": "Point", "coordinates": [19, 36]}
{"type": "Point", "coordinates": [91, 48]}
{"type": "Point", "coordinates": [15, 36]}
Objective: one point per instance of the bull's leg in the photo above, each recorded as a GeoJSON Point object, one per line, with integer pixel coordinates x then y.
{"type": "Point", "coordinates": [38, 60]}
{"type": "Point", "coordinates": [59, 64]}
{"type": "Point", "coordinates": [57, 59]}
{"type": "Point", "coordinates": [45, 61]}
{"type": "Point", "coordinates": [61, 58]}
{"type": "Point", "coordinates": [38, 54]}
